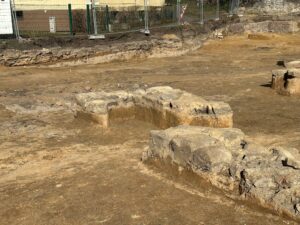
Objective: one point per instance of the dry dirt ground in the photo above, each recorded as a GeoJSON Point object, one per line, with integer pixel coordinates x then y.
{"type": "Point", "coordinates": [57, 169]}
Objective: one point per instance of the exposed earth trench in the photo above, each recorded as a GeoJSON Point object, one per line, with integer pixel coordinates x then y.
{"type": "Point", "coordinates": [57, 169]}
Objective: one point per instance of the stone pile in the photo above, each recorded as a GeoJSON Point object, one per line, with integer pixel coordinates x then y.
{"type": "Point", "coordinates": [287, 81]}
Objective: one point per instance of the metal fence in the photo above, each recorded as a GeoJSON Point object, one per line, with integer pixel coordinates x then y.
{"type": "Point", "coordinates": [97, 19]}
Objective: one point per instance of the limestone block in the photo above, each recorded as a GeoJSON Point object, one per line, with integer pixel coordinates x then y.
{"type": "Point", "coordinates": [286, 81]}
{"type": "Point", "coordinates": [283, 26]}
{"type": "Point", "coordinates": [272, 26]}
{"type": "Point", "coordinates": [289, 157]}
{"type": "Point", "coordinates": [163, 106]}
{"type": "Point", "coordinates": [292, 64]}
{"type": "Point", "coordinates": [259, 27]}
{"type": "Point", "coordinates": [224, 157]}
{"type": "Point", "coordinates": [201, 148]}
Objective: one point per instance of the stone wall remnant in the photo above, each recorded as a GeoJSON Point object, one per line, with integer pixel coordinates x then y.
{"type": "Point", "coordinates": [273, 7]}
{"type": "Point", "coordinates": [163, 106]}
{"type": "Point", "coordinates": [224, 157]}
{"type": "Point", "coordinates": [263, 27]}
{"type": "Point", "coordinates": [200, 137]}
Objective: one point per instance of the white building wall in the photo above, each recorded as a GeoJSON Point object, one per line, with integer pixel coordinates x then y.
{"type": "Point", "coordinates": [79, 4]}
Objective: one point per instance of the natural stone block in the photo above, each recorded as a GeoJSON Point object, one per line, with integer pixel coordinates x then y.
{"type": "Point", "coordinates": [202, 148]}
{"type": "Point", "coordinates": [286, 81]}
{"type": "Point", "coordinates": [292, 64]}
{"type": "Point", "coordinates": [163, 106]}
{"type": "Point", "coordinates": [223, 157]}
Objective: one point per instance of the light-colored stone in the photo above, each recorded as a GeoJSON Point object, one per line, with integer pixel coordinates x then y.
{"type": "Point", "coordinates": [201, 148]}
{"type": "Point", "coordinates": [170, 37]}
{"type": "Point", "coordinates": [286, 81]}
{"type": "Point", "coordinates": [284, 26]}
{"type": "Point", "coordinates": [292, 64]}
{"type": "Point", "coordinates": [289, 157]}
{"type": "Point", "coordinates": [228, 161]}
{"type": "Point", "coordinates": [272, 7]}
{"type": "Point", "coordinates": [163, 106]}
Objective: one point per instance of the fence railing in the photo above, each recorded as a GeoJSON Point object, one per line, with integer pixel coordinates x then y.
{"type": "Point", "coordinates": [74, 19]}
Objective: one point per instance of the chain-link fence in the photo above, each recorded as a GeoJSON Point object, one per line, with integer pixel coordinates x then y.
{"type": "Point", "coordinates": [100, 18]}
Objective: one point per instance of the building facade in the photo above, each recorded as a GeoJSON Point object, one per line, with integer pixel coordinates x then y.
{"type": "Point", "coordinates": [34, 15]}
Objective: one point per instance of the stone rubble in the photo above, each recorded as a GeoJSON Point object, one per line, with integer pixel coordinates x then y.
{"type": "Point", "coordinates": [225, 158]}
{"type": "Point", "coordinates": [163, 106]}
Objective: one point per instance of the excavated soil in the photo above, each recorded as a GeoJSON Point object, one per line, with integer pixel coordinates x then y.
{"type": "Point", "coordinates": [57, 169]}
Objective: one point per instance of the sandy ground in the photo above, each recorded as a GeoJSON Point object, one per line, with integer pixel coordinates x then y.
{"type": "Point", "coordinates": [57, 169]}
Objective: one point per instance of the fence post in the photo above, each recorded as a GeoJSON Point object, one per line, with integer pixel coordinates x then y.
{"type": "Point", "coordinates": [178, 11]}
{"type": "Point", "coordinates": [202, 12]}
{"type": "Point", "coordinates": [237, 6]}
{"type": "Point", "coordinates": [218, 10]}
{"type": "Point", "coordinates": [231, 6]}
{"type": "Point", "coordinates": [146, 31]}
{"type": "Point", "coordinates": [15, 21]}
{"type": "Point", "coordinates": [94, 18]}
{"type": "Point", "coordinates": [88, 19]}
{"type": "Point", "coordinates": [107, 19]}
{"type": "Point", "coordinates": [70, 18]}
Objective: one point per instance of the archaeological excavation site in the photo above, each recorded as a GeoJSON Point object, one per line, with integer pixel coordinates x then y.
{"type": "Point", "coordinates": [150, 112]}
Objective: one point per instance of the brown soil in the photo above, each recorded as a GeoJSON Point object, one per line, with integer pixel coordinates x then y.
{"type": "Point", "coordinates": [68, 41]}
{"type": "Point", "coordinates": [56, 169]}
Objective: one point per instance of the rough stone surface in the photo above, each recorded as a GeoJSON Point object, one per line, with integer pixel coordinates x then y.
{"type": "Point", "coordinates": [264, 27]}
{"type": "Point", "coordinates": [276, 6]}
{"type": "Point", "coordinates": [162, 106]}
{"type": "Point", "coordinates": [287, 81]}
{"type": "Point", "coordinates": [198, 147]}
{"type": "Point", "coordinates": [167, 45]}
{"type": "Point", "coordinates": [229, 161]}
{"type": "Point", "coordinates": [99, 53]}
{"type": "Point", "coordinates": [292, 64]}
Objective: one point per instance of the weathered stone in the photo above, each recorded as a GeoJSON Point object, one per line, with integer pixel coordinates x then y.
{"type": "Point", "coordinates": [236, 28]}
{"type": "Point", "coordinates": [283, 26]}
{"type": "Point", "coordinates": [288, 157]}
{"type": "Point", "coordinates": [264, 27]}
{"type": "Point", "coordinates": [162, 106]}
{"type": "Point", "coordinates": [292, 64]}
{"type": "Point", "coordinates": [88, 88]}
{"type": "Point", "coordinates": [257, 27]}
{"type": "Point", "coordinates": [98, 53]}
{"type": "Point", "coordinates": [201, 148]}
{"type": "Point", "coordinates": [170, 37]}
{"type": "Point", "coordinates": [276, 6]}
{"type": "Point", "coordinates": [286, 81]}
{"type": "Point", "coordinates": [269, 175]}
